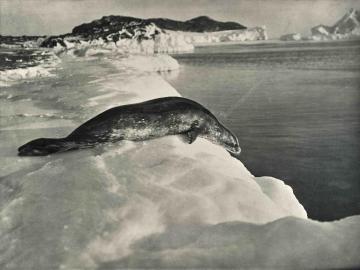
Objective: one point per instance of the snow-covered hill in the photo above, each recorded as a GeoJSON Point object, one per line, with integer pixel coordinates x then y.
{"type": "Point", "coordinates": [153, 35]}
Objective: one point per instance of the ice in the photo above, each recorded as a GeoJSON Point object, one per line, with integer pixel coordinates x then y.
{"type": "Point", "coordinates": [251, 34]}
{"type": "Point", "coordinates": [288, 243]}
{"type": "Point", "coordinates": [23, 73]}
{"type": "Point", "coordinates": [129, 191]}
{"type": "Point", "coordinates": [346, 28]}
{"type": "Point", "coordinates": [160, 203]}
{"type": "Point", "coordinates": [155, 63]}
{"type": "Point", "coordinates": [43, 124]}
{"type": "Point", "coordinates": [11, 76]}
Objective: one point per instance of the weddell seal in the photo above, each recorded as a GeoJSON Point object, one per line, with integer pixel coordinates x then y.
{"type": "Point", "coordinates": [141, 121]}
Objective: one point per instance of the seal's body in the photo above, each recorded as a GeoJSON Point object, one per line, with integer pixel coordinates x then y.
{"type": "Point", "coordinates": [142, 121]}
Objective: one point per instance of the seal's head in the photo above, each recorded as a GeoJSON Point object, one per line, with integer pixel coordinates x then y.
{"type": "Point", "coordinates": [41, 147]}
{"type": "Point", "coordinates": [224, 137]}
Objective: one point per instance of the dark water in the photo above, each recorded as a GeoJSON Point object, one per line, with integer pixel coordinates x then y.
{"type": "Point", "coordinates": [296, 111]}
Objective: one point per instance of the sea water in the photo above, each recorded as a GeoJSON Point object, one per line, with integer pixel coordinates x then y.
{"type": "Point", "coordinates": [295, 109]}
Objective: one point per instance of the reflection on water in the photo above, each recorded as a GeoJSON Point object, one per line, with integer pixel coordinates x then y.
{"type": "Point", "coordinates": [294, 107]}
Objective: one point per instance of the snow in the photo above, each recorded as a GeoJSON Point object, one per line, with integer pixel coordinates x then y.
{"type": "Point", "coordinates": [155, 204]}
{"type": "Point", "coordinates": [156, 63]}
{"type": "Point", "coordinates": [288, 243]}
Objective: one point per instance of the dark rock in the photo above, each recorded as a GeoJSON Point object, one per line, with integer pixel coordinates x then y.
{"type": "Point", "coordinates": [110, 24]}
{"type": "Point", "coordinates": [53, 41]}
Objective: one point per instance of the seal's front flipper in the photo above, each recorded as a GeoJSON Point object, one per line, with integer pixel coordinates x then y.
{"type": "Point", "coordinates": [191, 135]}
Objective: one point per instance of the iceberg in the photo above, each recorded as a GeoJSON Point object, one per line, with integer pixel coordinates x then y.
{"type": "Point", "coordinates": [291, 37]}
{"type": "Point", "coordinates": [347, 27]}
{"type": "Point", "coordinates": [153, 204]}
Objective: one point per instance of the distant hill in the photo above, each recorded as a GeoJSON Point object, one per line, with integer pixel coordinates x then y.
{"type": "Point", "coordinates": [110, 24]}
{"type": "Point", "coordinates": [198, 24]}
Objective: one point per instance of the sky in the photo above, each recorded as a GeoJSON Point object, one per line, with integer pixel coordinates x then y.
{"type": "Point", "coordinates": [45, 17]}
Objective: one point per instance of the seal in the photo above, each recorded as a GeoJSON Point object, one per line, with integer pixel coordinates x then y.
{"type": "Point", "coordinates": [141, 121]}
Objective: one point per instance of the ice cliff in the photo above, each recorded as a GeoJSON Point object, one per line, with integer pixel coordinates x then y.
{"type": "Point", "coordinates": [148, 36]}
{"type": "Point", "coordinates": [153, 35]}
{"type": "Point", "coordinates": [250, 34]}
{"type": "Point", "coordinates": [154, 204]}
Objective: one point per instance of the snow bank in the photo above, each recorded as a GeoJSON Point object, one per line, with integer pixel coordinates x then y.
{"type": "Point", "coordinates": [113, 92]}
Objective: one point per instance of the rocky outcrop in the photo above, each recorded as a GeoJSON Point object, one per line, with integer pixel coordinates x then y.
{"type": "Point", "coordinates": [111, 24]}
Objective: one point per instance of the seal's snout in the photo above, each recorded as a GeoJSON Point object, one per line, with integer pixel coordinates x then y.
{"type": "Point", "coordinates": [234, 149]}
{"type": "Point", "coordinates": [39, 147]}
{"type": "Point", "coordinates": [233, 144]}
{"type": "Point", "coordinates": [237, 149]}
{"type": "Point", "coordinates": [23, 150]}
{"type": "Point", "coordinates": [27, 150]}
